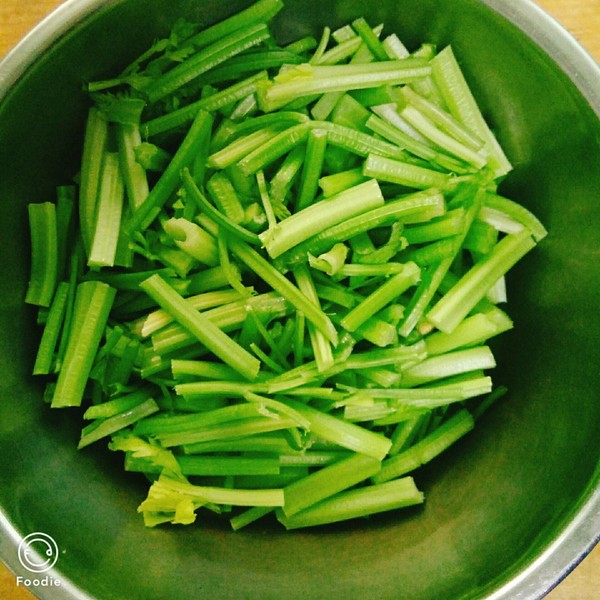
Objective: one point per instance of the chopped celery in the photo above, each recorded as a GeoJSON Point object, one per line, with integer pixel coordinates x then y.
{"type": "Point", "coordinates": [289, 296]}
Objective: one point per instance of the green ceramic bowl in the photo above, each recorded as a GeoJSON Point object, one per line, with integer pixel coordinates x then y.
{"type": "Point", "coordinates": [509, 511]}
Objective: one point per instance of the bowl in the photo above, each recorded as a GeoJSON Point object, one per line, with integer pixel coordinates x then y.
{"type": "Point", "coordinates": [510, 510]}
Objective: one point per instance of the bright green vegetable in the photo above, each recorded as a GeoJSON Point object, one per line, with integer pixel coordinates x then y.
{"type": "Point", "coordinates": [283, 302]}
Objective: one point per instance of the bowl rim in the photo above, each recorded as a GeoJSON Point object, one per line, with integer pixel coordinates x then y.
{"type": "Point", "coordinates": [582, 533]}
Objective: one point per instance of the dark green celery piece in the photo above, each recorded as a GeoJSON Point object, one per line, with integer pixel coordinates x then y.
{"type": "Point", "coordinates": [426, 449]}
{"type": "Point", "coordinates": [451, 309]}
{"type": "Point", "coordinates": [363, 29]}
{"type": "Point", "coordinates": [93, 302]}
{"type": "Point", "coordinates": [206, 59]}
{"type": "Point", "coordinates": [327, 481]}
{"type": "Point", "coordinates": [259, 12]}
{"type": "Point", "coordinates": [452, 223]}
{"type": "Point", "coordinates": [353, 504]}
{"type": "Point", "coordinates": [218, 100]}
{"type": "Point", "coordinates": [169, 181]}
{"type": "Point", "coordinates": [94, 144]}
{"type": "Point", "coordinates": [316, 145]}
{"type": "Point", "coordinates": [304, 80]}
{"type": "Point", "coordinates": [271, 443]}
{"type": "Point", "coordinates": [44, 254]}
{"type": "Point", "coordinates": [249, 516]}
{"type": "Point", "coordinates": [321, 215]}
{"type": "Point", "coordinates": [45, 358]}
{"type": "Point", "coordinates": [65, 221]}
{"type": "Point", "coordinates": [151, 157]}
{"type": "Point", "coordinates": [208, 334]}
{"type": "Point", "coordinates": [104, 427]}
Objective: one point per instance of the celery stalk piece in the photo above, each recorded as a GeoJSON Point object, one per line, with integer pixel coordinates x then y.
{"type": "Point", "coordinates": [183, 369]}
{"type": "Point", "coordinates": [384, 295]}
{"type": "Point", "coordinates": [337, 182]}
{"type": "Point", "coordinates": [473, 330]}
{"type": "Point", "coordinates": [111, 196]}
{"type": "Point", "coordinates": [249, 516]}
{"type": "Point", "coordinates": [446, 142]}
{"type": "Point", "coordinates": [208, 334]}
{"type": "Point", "coordinates": [356, 503]}
{"type": "Point", "coordinates": [45, 358]}
{"type": "Point", "coordinates": [44, 254]}
{"type": "Point", "coordinates": [328, 481]}
{"type": "Point", "coordinates": [104, 427]}
{"type": "Point", "coordinates": [316, 145]}
{"type": "Point", "coordinates": [304, 80]}
{"type": "Point", "coordinates": [321, 215]}
{"type": "Point", "coordinates": [94, 143]}
{"type": "Point", "coordinates": [234, 429]}
{"type": "Point", "coordinates": [134, 175]}
{"type": "Point", "coordinates": [242, 146]}
{"type": "Point", "coordinates": [213, 494]}
{"type": "Point", "coordinates": [65, 222]}
{"type": "Point", "coordinates": [256, 263]}
{"type": "Point", "coordinates": [371, 40]}
{"type": "Point", "coordinates": [431, 397]}
{"type": "Point", "coordinates": [358, 142]}
{"type": "Point", "coordinates": [169, 181]}
{"type": "Point", "coordinates": [117, 405]}
{"type": "Point", "coordinates": [517, 212]}
{"type": "Point", "coordinates": [223, 220]}
{"type": "Point", "coordinates": [323, 42]}
{"type": "Point", "coordinates": [159, 318]}
{"type": "Point", "coordinates": [426, 449]}
{"type": "Point", "coordinates": [93, 302]}
{"type": "Point", "coordinates": [218, 100]}
{"type": "Point", "coordinates": [414, 208]}
{"type": "Point", "coordinates": [403, 173]}
{"type": "Point", "coordinates": [457, 96]}
{"type": "Point", "coordinates": [204, 60]}
{"type": "Point", "coordinates": [162, 425]}
{"type": "Point", "coordinates": [344, 434]}
{"type": "Point", "coordinates": [259, 12]}
{"type": "Point", "coordinates": [321, 346]}
{"type": "Point", "coordinates": [448, 312]}
{"type": "Point", "coordinates": [284, 178]}
{"type": "Point", "coordinates": [272, 149]}
{"type": "Point", "coordinates": [193, 240]}
{"type": "Point", "coordinates": [225, 197]}
{"type": "Point", "coordinates": [446, 365]}
{"type": "Point", "coordinates": [211, 466]}
{"type": "Point", "coordinates": [443, 120]}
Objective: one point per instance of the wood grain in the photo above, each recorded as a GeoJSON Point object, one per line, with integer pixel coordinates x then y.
{"type": "Point", "coordinates": [580, 17]}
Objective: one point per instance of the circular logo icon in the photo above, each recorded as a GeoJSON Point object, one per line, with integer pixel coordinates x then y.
{"type": "Point", "coordinates": [38, 552]}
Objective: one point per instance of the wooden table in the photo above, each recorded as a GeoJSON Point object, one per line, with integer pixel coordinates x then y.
{"type": "Point", "coordinates": [580, 17]}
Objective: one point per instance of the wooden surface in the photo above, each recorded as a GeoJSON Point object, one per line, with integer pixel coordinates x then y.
{"type": "Point", "coordinates": [580, 17]}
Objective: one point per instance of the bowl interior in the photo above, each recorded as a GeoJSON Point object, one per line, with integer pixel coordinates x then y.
{"type": "Point", "coordinates": [493, 502]}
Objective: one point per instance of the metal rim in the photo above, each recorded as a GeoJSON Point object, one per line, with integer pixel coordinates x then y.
{"type": "Point", "coordinates": [582, 533]}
